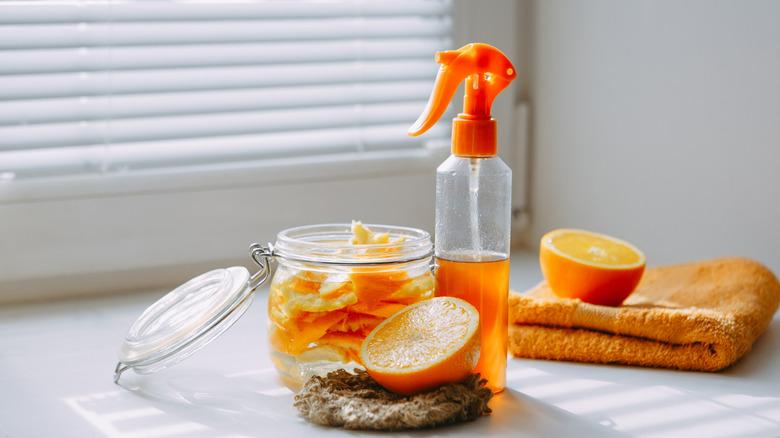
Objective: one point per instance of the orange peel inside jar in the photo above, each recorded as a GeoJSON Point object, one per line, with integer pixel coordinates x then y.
{"type": "Point", "coordinates": [324, 316]}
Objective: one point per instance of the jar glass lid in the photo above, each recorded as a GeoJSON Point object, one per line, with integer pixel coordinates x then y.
{"type": "Point", "coordinates": [185, 320]}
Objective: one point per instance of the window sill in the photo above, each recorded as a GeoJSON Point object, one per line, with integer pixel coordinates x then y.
{"type": "Point", "coordinates": [122, 232]}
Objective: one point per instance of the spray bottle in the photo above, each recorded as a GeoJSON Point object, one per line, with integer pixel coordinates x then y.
{"type": "Point", "coordinates": [473, 197]}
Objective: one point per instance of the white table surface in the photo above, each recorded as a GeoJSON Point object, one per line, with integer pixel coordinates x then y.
{"type": "Point", "coordinates": [56, 363]}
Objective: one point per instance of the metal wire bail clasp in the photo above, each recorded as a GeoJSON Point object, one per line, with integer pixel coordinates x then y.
{"type": "Point", "coordinates": [263, 256]}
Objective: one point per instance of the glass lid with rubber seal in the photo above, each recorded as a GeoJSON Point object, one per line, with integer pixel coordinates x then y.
{"type": "Point", "coordinates": [190, 316]}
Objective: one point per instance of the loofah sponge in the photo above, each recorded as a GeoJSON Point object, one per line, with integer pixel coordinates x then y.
{"type": "Point", "coordinates": [356, 401]}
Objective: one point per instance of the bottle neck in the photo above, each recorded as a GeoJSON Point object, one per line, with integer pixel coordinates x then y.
{"type": "Point", "coordinates": [474, 137]}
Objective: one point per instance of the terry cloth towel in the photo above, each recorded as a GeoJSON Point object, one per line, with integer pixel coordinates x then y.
{"type": "Point", "coordinates": [694, 316]}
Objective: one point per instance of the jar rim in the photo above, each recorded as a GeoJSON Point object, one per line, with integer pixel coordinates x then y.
{"type": "Point", "coordinates": [329, 243]}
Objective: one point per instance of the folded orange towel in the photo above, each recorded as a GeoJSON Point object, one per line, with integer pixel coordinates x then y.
{"type": "Point", "coordinates": [694, 316]}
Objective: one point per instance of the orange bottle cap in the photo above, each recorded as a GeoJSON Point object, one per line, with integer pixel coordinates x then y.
{"type": "Point", "coordinates": [487, 72]}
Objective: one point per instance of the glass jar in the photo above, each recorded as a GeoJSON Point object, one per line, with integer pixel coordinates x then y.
{"type": "Point", "coordinates": [325, 297]}
{"type": "Point", "coordinates": [327, 294]}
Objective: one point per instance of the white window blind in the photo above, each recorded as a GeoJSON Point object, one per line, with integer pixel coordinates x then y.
{"type": "Point", "coordinates": [100, 87]}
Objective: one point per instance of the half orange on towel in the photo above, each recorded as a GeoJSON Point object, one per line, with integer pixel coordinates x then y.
{"type": "Point", "coordinates": [595, 268]}
{"type": "Point", "coordinates": [425, 345]}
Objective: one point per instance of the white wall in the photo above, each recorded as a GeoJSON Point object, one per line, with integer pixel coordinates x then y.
{"type": "Point", "coordinates": [149, 230]}
{"type": "Point", "coordinates": [659, 121]}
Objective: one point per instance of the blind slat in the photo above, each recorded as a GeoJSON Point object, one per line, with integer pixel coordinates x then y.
{"type": "Point", "coordinates": [207, 125]}
{"type": "Point", "coordinates": [168, 153]}
{"type": "Point", "coordinates": [204, 55]}
{"type": "Point", "coordinates": [27, 112]}
{"type": "Point", "coordinates": [21, 12]}
{"type": "Point", "coordinates": [102, 86]}
{"type": "Point", "coordinates": [187, 79]}
{"type": "Point", "coordinates": [155, 33]}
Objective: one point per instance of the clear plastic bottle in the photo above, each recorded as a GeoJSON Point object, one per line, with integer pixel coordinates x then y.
{"type": "Point", "coordinates": [473, 221]}
{"type": "Point", "coordinates": [473, 198]}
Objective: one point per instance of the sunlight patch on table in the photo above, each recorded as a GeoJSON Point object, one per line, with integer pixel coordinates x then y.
{"type": "Point", "coordinates": [92, 408]}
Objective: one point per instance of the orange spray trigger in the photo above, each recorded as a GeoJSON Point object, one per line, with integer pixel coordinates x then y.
{"type": "Point", "coordinates": [487, 72]}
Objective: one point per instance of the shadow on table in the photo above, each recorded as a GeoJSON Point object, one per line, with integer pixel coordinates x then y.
{"type": "Point", "coordinates": [558, 399]}
{"type": "Point", "coordinates": [189, 402]}
{"type": "Point", "coordinates": [196, 403]}
{"type": "Point", "coordinates": [518, 415]}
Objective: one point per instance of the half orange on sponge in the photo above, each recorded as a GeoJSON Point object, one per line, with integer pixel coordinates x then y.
{"type": "Point", "coordinates": [423, 346]}
{"type": "Point", "coordinates": [595, 268]}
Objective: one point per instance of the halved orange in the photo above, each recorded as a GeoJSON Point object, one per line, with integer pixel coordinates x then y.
{"type": "Point", "coordinates": [595, 268]}
{"type": "Point", "coordinates": [423, 346]}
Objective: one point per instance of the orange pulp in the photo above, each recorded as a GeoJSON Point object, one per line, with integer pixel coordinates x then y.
{"type": "Point", "coordinates": [484, 283]}
{"type": "Point", "coordinates": [410, 352]}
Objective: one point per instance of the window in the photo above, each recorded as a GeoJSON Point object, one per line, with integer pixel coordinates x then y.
{"type": "Point", "coordinates": [100, 88]}
{"type": "Point", "coordinates": [145, 141]}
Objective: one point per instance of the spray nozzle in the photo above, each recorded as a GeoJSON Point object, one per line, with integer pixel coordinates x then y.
{"type": "Point", "coordinates": [487, 72]}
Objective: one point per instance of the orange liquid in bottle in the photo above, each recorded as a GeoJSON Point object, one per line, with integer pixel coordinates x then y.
{"type": "Point", "coordinates": [484, 283]}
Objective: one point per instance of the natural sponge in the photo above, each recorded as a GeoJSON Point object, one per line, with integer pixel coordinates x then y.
{"type": "Point", "coordinates": [356, 401]}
